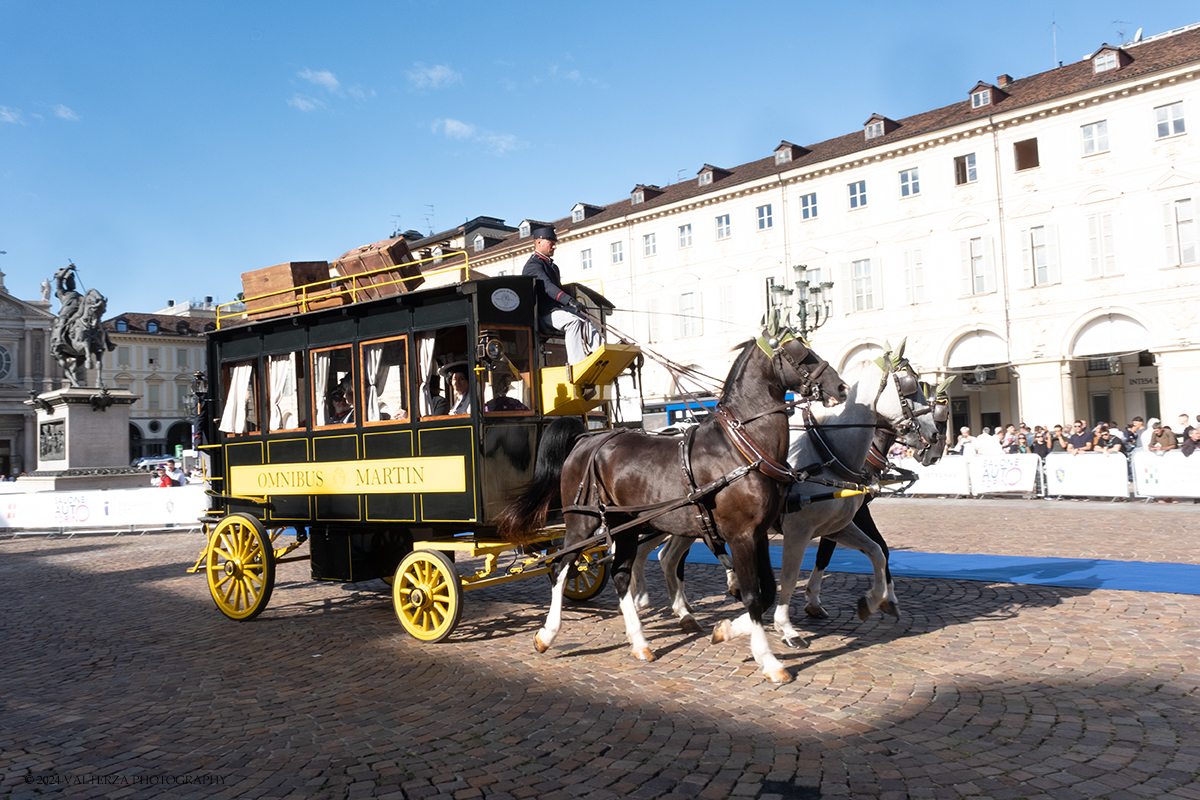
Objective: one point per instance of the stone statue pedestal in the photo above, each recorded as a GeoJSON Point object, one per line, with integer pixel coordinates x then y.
{"type": "Point", "coordinates": [83, 441]}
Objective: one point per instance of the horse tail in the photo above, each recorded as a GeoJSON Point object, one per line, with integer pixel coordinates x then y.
{"type": "Point", "coordinates": [527, 510]}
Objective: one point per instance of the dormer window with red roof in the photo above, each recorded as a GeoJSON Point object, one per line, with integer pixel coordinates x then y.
{"type": "Point", "coordinates": [122, 326]}
{"type": "Point", "coordinates": [643, 192]}
{"type": "Point", "coordinates": [705, 178]}
{"type": "Point", "coordinates": [878, 125]}
{"type": "Point", "coordinates": [152, 326]}
{"type": "Point", "coordinates": [1104, 61]}
{"type": "Point", "coordinates": [981, 97]}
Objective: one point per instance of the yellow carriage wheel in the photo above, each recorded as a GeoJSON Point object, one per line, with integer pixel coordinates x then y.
{"type": "Point", "coordinates": [240, 566]}
{"type": "Point", "coordinates": [591, 577]}
{"type": "Point", "coordinates": [427, 595]}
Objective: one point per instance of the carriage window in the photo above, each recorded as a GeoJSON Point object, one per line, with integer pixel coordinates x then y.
{"type": "Point", "coordinates": [240, 407]}
{"type": "Point", "coordinates": [285, 384]}
{"type": "Point", "coordinates": [333, 386]}
{"type": "Point", "coordinates": [443, 364]}
{"type": "Point", "coordinates": [385, 380]}
{"type": "Point", "coordinates": [505, 352]}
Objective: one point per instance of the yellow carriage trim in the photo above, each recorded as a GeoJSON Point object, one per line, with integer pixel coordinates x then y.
{"type": "Point", "coordinates": [374, 476]}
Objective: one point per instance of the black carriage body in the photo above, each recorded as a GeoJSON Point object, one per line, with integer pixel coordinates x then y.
{"type": "Point", "coordinates": [366, 487]}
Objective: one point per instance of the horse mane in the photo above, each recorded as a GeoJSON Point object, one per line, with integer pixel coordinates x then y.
{"type": "Point", "coordinates": [738, 365]}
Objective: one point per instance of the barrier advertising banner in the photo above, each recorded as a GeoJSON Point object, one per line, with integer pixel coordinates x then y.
{"type": "Point", "coordinates": [1169, 474]}
{"type": "Point", "coordinates": [948, 476]}
{"type": "Point", "coordinates": [112, 508]}
{"type": "Point", "coordinates": [1087, 475]}
{"type": "Point", "coordinates": [1004, 473]}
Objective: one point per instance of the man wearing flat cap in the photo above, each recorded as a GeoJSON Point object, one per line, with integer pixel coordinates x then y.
{"type": "Point", "coordinates": [565, 312]}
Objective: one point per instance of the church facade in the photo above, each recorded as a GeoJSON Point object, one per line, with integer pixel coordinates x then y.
{"type": "Point", "coordinates": [25, 366]}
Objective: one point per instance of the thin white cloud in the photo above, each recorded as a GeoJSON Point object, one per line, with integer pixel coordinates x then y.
{"type": "Point", "coordinates": [497, 143]}
{"type": "Point", "coordinates": [62, 112]}
{"type": "Point", "coordinates": [436, 77]}
{"type": "Point", "coordinates": [323, 78]}
{"type": "Point", "coordinates": [305, 103]}
{"type": "Point", "coordinates": [359, 93]}
{"type": "Point", "coordinates": [570, 75]}
{"type": "Point", "coordinates": [12, 115]}
{"type": "Point", "coordinates": [454, 129]}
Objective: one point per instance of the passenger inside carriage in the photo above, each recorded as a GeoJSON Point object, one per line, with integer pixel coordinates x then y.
{"type": "Point", "coordinates": [333, 386]}
{"type": "Point", "coordinates": [505, 355]}
{"type": "Point", "coordinates": [445, 381]}
{"type": "Point", "coordinates": [385, 380]}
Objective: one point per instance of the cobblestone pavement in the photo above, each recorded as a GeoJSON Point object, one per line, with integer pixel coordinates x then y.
{"type": "Point", "coordinates": [121, 679]}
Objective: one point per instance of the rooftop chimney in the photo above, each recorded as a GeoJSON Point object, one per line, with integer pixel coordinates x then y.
{"type": "Point", "coordinates": [170, 303]}
{"type": "Point", "coordinates": [208, 300]}
{"type": "Point", "coordinates": [1003, 80]}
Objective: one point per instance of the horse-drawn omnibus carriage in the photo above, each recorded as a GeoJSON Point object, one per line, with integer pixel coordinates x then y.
{"type": "Point", "coordinates": [330, 412]}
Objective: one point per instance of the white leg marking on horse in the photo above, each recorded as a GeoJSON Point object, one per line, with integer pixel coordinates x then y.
{"type": "Point", "coordinates": [794, 545]}
{"type": "Point", "coordinates": [633, 629]}
{"type": "Point", "coordinates": [549, 632]}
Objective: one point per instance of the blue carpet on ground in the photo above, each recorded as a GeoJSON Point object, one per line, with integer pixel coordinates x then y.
{"type": "Point", "coordinates": [1087, 573]}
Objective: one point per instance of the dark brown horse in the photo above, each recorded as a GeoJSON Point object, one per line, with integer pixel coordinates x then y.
{"type": "Point", "coordinates": [632, 483]}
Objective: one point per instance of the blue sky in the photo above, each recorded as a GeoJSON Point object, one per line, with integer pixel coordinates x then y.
{"type": "Point", "coordinates": [167, 147]}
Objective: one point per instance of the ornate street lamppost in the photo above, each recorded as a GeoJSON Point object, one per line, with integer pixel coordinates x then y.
{"type": "Point", "coordinates": [814, 300]}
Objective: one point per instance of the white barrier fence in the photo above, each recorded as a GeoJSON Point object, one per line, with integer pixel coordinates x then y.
{"type": "Point", "coordinates": [109, 509]}
{"type": "Point", "coordinates": [1169, 474]}
{"type": "Point", "coordinates": [1087, 475]}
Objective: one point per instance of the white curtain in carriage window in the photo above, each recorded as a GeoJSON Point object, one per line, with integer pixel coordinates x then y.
{"type": "Point", "coordinates": [321, 362]}
{"type": "Point", "coordinates": [425, 343]}
{"type": "Point", "coordinates": [233, 418]}
{"type": "Point", "coordinates": [376, 377]}
{"type": "Point", "coordinates": [284, 407]}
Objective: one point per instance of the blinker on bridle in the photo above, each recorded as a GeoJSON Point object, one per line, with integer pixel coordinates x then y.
{"type": "Point", "coordinates": [773, 346]}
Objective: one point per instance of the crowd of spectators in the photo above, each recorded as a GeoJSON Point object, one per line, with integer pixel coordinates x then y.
{"type": "Point", "coordinates": [1106, 437]}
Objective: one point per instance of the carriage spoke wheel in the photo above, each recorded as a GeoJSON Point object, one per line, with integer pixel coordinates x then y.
{"type": "Point", "coordinates": [240, 566]}
{"type": "Point", "coordinates": [590, 578]}
{"type": "Point", "coordinates": [427, 595]}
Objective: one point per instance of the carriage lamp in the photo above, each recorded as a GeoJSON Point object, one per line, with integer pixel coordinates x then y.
{"type": "Point", "coordinates": [814, 299]}
{"type": "Point", "coordinates": [199, 383]}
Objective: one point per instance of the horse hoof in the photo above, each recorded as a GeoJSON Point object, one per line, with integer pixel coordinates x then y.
{"type": "Point", "coordinates": [816, 612]}
{"type": "Point", "coordinates": [721, 632]}
{"type": "Point", "coordinates": [779, 676]}
{"type": "Point", "coordinates": [541, 646]}
{"type": "Point", "coordinates": [864, 609]}
{"type": "Point", "coordinates": [643, 654]}
{"type": "Point", "coordinates": [796, 642]}
{"type": "Point", "coordinates": [890, 608]}
{"type": "Point", "coordinates": [689, 625]}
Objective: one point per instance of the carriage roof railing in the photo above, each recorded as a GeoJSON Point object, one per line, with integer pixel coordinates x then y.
{"type": "Point", "coordinates": [352, 288]}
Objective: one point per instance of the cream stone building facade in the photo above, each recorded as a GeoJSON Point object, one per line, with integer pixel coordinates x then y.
{"type": "Point", "coordinates": [155, 357]}
{"type": "Point", "coordinates": [1037, 238]}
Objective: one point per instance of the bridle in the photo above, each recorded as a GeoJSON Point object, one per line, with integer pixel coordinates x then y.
{"type": "Point", "coordinates": [775, 350]}
{"type": "Point", "coordinates": [908, 387]}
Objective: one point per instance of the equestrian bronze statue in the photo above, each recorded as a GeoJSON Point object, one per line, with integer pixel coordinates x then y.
{"type": "Point", "coordinates": [78, 338]}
